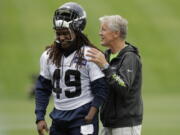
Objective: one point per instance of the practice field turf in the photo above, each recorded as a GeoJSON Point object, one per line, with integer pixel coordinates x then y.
{"type": "Point", "coordinates": [154, 27]}
{"type": "Point", "coordinates": [161, 116]}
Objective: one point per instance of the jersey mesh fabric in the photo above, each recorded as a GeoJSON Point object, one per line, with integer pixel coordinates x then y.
{"type": "Point", "coordinates": [73, 83]}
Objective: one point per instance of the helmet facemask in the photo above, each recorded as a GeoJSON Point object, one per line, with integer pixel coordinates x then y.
{"type": "Point", "coordinates": [62, 22]}
{"type": "Point", "coordinates": [71, 16]}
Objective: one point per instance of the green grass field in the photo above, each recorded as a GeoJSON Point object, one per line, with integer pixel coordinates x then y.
{"type": "Point", "coordinates": [161, 116]}
{"type": "Point", "coordinates": [154, 27]}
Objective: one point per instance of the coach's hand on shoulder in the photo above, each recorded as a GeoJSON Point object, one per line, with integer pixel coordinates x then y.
{"type": "Point", "coordinates": [97, 57]}
{"type": "Point", "coordinates": [41, 126]}
{"type": "Point", "coordinates": [92, 112]}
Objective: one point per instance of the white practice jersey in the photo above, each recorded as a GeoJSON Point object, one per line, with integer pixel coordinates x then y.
{"type": "Point", "coordinates": [71, 86]}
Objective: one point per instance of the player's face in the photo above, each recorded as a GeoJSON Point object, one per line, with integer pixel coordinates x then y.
{"type": "Point", "coordinates": [107, 35]}
{"type": "Point", "coordinates": [65, 36]}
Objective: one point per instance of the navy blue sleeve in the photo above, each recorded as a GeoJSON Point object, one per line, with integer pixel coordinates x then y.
{"type": "Point", "coordinates": [42, 95]}
{"type": "Point", "coordinates": [100, 91]}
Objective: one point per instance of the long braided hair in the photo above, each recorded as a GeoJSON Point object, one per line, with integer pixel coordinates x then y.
{"type": "Point", "coordinates": [55, 53]}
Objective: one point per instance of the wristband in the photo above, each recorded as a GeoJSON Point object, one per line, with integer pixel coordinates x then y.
{"type": "Point", "coordinates": [105, 66]}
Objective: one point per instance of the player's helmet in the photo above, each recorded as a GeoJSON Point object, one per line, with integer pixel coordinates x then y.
{"type": "Point", "coordinates": [70, 15]}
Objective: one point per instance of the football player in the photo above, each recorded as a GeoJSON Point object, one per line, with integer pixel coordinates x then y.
{"type": "Point", "coordinates": [77, 85]}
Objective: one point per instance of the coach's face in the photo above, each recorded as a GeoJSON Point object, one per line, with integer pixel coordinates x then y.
{"type": "Point", "coordinates": [65, 36]}
{"type": "Point", "coordinates": [107, 35]}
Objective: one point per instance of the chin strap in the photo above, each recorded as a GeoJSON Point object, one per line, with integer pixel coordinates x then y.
{"type": "Point", "coordinates": [57, 43]}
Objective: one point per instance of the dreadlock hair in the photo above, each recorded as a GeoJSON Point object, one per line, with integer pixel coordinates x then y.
{"type": "Point", "coordinates": [55, 52]}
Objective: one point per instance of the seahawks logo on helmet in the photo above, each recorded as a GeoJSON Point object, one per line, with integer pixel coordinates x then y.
{"type": "Point", "coordinates": [70, 15]}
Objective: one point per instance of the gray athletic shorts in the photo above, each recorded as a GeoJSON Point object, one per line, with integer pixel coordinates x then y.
{"type": "Point", "coordinates": [135, 130]}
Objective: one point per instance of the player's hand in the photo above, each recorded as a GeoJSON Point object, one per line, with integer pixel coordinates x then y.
{"type": "Point", "coordinates": [41, 126]}
{"type": "Point", "coordinates": [89, 117]}
{"type": "Point", "coordinates": [97, 57]}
